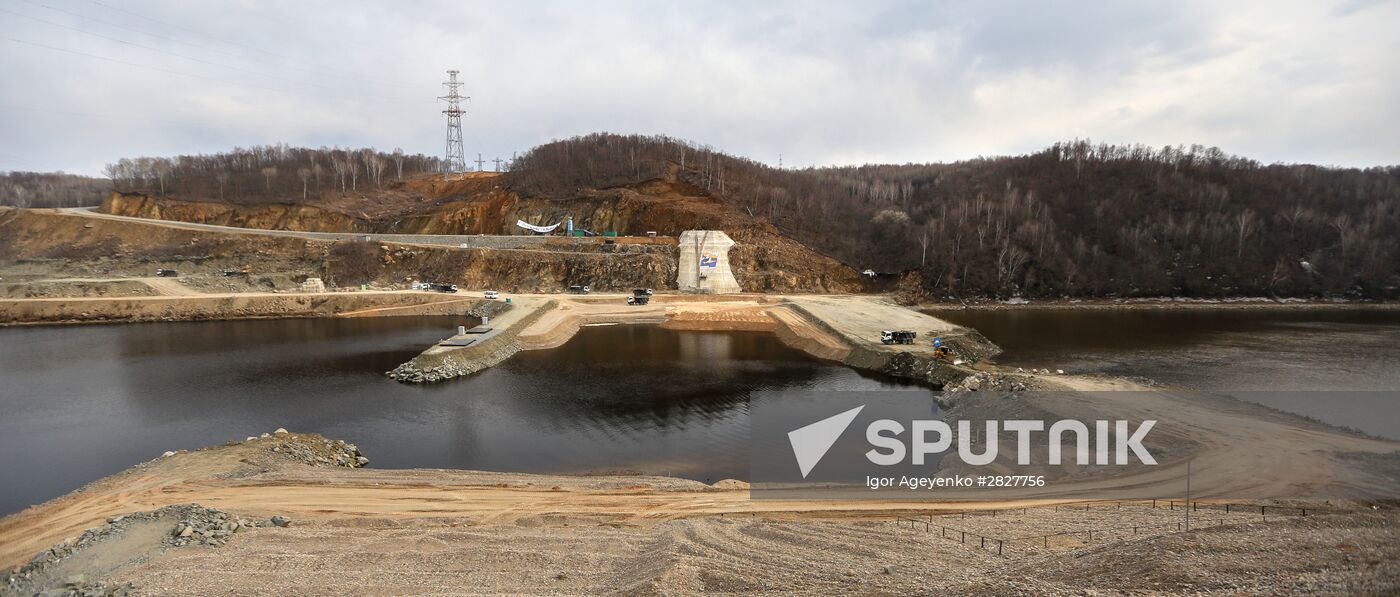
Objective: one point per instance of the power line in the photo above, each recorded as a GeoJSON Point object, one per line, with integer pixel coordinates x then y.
{"type": "Point", "coordinates": [207, 36]}
{"type": "Point", "coordinates": [193, 59]}
{"type": "Point", "coordinates": [173, 72]}
{"type": "Point", "coordinates": [317, 71]}
{"type": "Point", "coordinates": [108, 116]}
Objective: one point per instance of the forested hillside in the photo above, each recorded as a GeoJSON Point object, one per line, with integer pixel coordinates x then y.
{"type": "Point", "coordinates": [1076, 219]}
{"type": "Point", "coordinates": [51, 189]}
{"type": "Point", "coordinates": [267, 173]}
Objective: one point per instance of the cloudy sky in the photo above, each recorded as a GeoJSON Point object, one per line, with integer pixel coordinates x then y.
{"type": "Point", "coordinates": [88, 81]}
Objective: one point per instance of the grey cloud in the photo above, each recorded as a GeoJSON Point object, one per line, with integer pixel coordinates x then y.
{"type": "Point", "coordinates": [817, 83]}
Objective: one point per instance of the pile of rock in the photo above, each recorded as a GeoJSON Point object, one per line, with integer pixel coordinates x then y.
{"type": "Point", "coordinates": [986, 381]}
{"type": "Point", "coordinates": [196, 524]}
{"type": "Point", "coordinates": [207, 526]}
{"type": "Point", "coordinates": [313, 450]}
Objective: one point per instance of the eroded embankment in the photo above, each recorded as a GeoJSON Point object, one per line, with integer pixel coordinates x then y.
{"type": "Point", "coordinates": [229, 306]}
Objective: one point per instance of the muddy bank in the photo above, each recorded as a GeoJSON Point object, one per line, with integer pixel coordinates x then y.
{"type": "Point", "coordinates": [343, 530]}
{"type": "Point", "coordinates": [1164, 303]}
{"type": "Point", "coordinates": [230, 306]}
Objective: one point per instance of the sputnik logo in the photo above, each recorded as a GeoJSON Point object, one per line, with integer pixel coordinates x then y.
{"type": "Point", "coordinates": [810, 443]}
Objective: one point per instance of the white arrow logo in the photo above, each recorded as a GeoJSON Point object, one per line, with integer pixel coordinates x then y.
{"type": "Point", "coordinates": [810, 443]}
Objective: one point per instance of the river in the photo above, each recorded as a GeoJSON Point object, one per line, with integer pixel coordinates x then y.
{"type": "Point", "coordinates": [82, 402]}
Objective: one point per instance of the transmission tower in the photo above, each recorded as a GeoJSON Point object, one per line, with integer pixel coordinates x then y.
{"type": "Point", "coordinates": [498, 163]}
{"type": "Point", "coordinates": [479, 163]}
{"type": "Point", "coordinates": [456, 159]}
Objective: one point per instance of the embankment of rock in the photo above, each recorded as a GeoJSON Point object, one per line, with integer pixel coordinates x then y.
{"type": "Point", "coordinates": [437, 364]}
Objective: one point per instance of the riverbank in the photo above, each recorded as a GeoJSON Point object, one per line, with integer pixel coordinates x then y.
{"type": "Point", "coordinates": [272, 519]}
{"type": "Point", "coordinates": [1163, 303]}
{"type": "Point", "coordinates": [228, 306]}
{"type": "Point", "coordinates": [843, 328]}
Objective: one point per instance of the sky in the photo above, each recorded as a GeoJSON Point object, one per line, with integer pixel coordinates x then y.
{"type": "Point", "coordinates": [86, 82]}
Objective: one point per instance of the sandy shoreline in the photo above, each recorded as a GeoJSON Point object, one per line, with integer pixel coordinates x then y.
{"type": "Point", "coordinates": [1162, 303]}
{"type": "Point", "coordinates": [429, 530]}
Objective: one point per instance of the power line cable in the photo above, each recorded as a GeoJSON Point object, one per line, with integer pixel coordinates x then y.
{"type": "Point", "coordinates": [199, 60]}
{"type": "Point", "coordinates": [173, 72]}
{"type": "Point", "coordinates": [316, 71]}
{"type": "Point", "coordinates": [222, 41]}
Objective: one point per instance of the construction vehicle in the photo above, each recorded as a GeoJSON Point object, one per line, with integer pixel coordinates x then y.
{"type": "Point", "coordinates": [640, 296]}
{"type": "Point", "coordinates": [579, 289]}
{"type": "Point", "coordinates": [231, 272]}
{"type": "Point", "coordinates": [897, 337]}
{"type": "Point", "coordinates": [491, 295]}
{"type": "Point", "coordinates": [440, 287]}
{"type": "Point", "coordinates": [167, 273]}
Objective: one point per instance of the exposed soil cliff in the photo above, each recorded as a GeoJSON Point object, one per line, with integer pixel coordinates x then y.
{"type": "Point", "coordinates": [764, 260]}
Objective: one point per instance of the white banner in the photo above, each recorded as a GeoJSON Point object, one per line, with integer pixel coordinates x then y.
{"type": "Point", "coordinates": [529, 226]}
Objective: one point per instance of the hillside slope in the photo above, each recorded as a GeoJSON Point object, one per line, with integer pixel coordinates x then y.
{"type": "Point", "coordinates": [763, 260]}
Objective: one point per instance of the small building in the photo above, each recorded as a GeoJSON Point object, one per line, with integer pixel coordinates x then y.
{"type": "Point", "coordinates": [313, 285]}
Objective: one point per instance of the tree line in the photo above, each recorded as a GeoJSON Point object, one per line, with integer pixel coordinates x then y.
{"type": "Point", "coordinates": [267, 173]}
{"type": "Point", "coordinates": [51, 189]}
{"type": "Point", "coordinates": [1076, 219]}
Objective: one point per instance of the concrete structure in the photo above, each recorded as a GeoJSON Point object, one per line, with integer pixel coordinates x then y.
{"type": "Point", "coordinates": [313, 285]}
{"type": "Point", "coordinates": [704, 263]}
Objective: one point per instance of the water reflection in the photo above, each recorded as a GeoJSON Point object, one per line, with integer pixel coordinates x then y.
{"type": "Point", "coordinates": [83, 402]}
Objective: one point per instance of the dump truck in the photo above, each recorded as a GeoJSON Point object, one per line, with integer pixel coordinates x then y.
{"type": "Point", "coordinates": [640, 296]}
{"type": "Point", "coordinates": [440, 287]}
{"type": "Point", "coordinates": [897, 337]}
{"type": "Point", "coordinates": [167, 273]}
{"type": "Point", "coordinates": [579, 289]}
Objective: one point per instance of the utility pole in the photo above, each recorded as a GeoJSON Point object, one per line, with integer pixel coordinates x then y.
{"type": "Point", "coordinates": [498, 164]}
{"type": "Point", "coordinates": [1188, 496]}
{"type": "Point", "coordinates": [478, 162]}
{"type": "Point", "coordinates": [455, 158]}
{"type": "Point", "coordinates": [780, 161]}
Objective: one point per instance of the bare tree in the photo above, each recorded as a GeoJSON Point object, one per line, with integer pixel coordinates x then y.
{"type": "Point", "coordinates": [222, 176]}
{"type": "Point", "coordinates": [162, 169]}
{"type": "Point", "coordinates": [398, 162]}
{"type": "Point", "coordinates": [304, 174]}
{"type": "Point", "coordinates": [269, 174]}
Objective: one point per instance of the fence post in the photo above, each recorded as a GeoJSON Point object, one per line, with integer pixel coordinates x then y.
{"type": "Point", "coordinates": [1047, 542]}
{"type": "Point", "coordinates": [984, 543]}
{"type": "Point", "coordinates": [1227, 507]}
{"type": "Point", "coordinates": [998, 546]}
{"type": "Point", "coordinates": [963, 540]}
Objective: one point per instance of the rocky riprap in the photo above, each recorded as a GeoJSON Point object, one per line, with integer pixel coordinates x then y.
{"type": "Point", "coordinates": [986, 381]}
{"type": "Point", "coordinates": [313, 450]}
{"type": "Point", "coordinates": [191, 524]}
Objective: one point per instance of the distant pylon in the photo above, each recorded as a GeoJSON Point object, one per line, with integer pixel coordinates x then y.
{"type": "Point", "coordinates": [479, 163]}
{"type": "Point", "coordinates": [456, 158]}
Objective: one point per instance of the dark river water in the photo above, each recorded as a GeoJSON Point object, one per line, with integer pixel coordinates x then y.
{"type": "Point", "coordinates": [1205, 349]}
{"type": "Point", "coordinates": [83, 402]}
